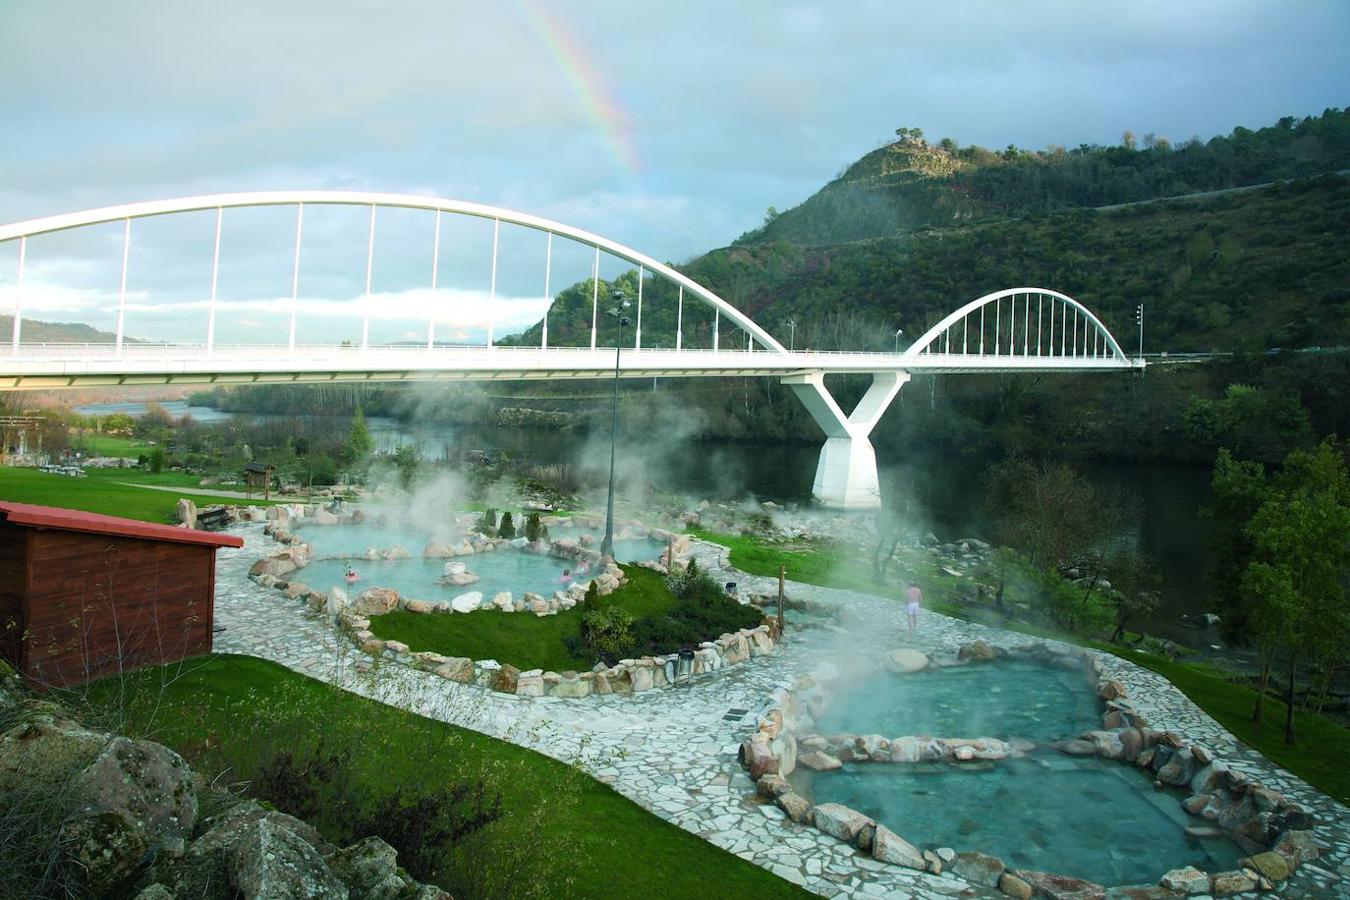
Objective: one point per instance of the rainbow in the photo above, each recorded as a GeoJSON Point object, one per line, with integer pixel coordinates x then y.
{"type": "Point", "coordinates": [598, 103]}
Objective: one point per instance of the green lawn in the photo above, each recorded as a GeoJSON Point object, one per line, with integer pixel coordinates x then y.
{"type": "Point", "coordinates": [97, 493]}
{"type": "Point", "coordinates": [109, 445]}
{"type": "Point", "coordinates": [827, 564]}
{"type": "Point", "coordinates": [563, 834]}
{"type": "Point", "coordinates": [524, 640]}
{"type": "Point", "coordinates": [1322, 747]}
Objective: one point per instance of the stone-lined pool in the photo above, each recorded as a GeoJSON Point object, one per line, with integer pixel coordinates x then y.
{"type": "Point", "coordinates": [1009, 699]}
{"type": "Point", "coordinates": [1087, 817]}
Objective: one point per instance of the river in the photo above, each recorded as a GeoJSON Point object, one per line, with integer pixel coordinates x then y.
{"type": "Point", "coordinates": [1169, 528]}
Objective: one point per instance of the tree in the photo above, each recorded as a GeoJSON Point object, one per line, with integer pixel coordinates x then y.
{"type": "Point", "coordinates": [1134, 581]}
{"type": "Point", "coordinates": [1048, 511]}
{"type": "Point", "coordinates": [534, 529]}
{"type": "Point", "coordinates": [119, 423]}
{"type": "Point", "coordinates": [487, 524]}
{"type": "Point", "coordinates": [1127, 140]}
{"type": "Point", "coordinates": [1294, 566]}
{"type": "Point", "coordinates": [359, 444]}
{"type": "Point", "coordinates": [507, 528]}
{"type": "Point", "coordinates": [406, 460]}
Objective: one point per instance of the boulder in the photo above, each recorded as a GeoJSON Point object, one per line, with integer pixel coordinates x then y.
{"type": "Point", "coordinates": [276, 566]}
{"type": "Point", "coordinates": [642, 679]}
{"type": "Point", "coordinates": [458, 668]}
{"type": "Point", "coordinates": [436, 550]}
{"type": "Point", "coordinates": [530, 684]}
{"type": "Point", "coordinates": [1012, 886]}
{"type": "Point", "coordinates": [1297, 847]}
{"type": "Point", "coordinates": [323, 517]}
{"type": "Point", "coordinates": [846, 824]}
{"type": "Point", "coordinates": [369, 868]}
{"type": "Point", "coordinates": [419, 606]}
{"type": "Point", "coordinates": [770, 786]}
{"type": "Point", "coordinates": [571, 684]}
{"type": "Point", "coordinates": [1060, 887]}
{"type": "Point", "coordinates": [273, 861]}
{"type": "Point", "coordinates": [1210, 778]}
{"type": "Point", "coordinates": [979, 868]}
{"type": "Point", "coordinates": [976, 651]}
{"type": "Point", "coordinates": [905, 660]}
{"type": "Point", "coordinates": [819, 761]}
{"type": "Point", "coordinates": [147, 785]}
{"type": "Point", "coordinates": [186, 512]}
{"type": "Point", "coordinates": [467, 602]}
{"type": "Point", "coordinates": [1226, 884]}
{"type": "Point", "coordinates": [398, 648]}
{"type": "Point", "coordinates": [1269, 865]}
{"type": "Point", "coordinates": [375, 601]}
{"type": "Point", "coordinates": [506, 679]}
{"type": "Point", "coordinates": [797, 807]}
{"type": "Point", "coordinates": [1111, 689]}
{"type": "Point", "coordinates": [397, 552]}
{"type": "Point", "coordinates": [503, 601]}
{"type": "Point", "coordinates": [756, 756]}
{"type": "Point", "coordinates": [1188, 880]}
{"type": "Point", "coordinates": [463, 579]}
{"type": "Point", "coordinates": [889, 847]}
{"type": "Point", "coordinates": [454, 568]}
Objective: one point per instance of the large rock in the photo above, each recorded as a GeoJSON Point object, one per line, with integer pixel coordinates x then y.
{"type": "Point", "coordinates": [979, 868]}
{"type": "Point", "coordinates": [506, 678]}
{"type": "Point", "coordinates": [1298, 847]}
{"type": "Point", "coordinates": [146, 784]}
{"type": "Point", "coordinates": [846, 824]}
{"type": "Point", "coordinates": [323, 517]}
{"type": "Point", "coordinates": [273, 861]}
{"type": "Point", "coordinates": [819, 761]}
{"type": "Point", "coordinates": [976, 651]}
{"type": "Point", "coordinates": [889, 847]}
{"type": "Point", "coordinates": [797, 807]}
{"type": "Point", "coordinates": [186, 511]}
{"type": "Point", "coordinates": [1226, 884]}
{"type": "Point", "coordinates": [453, 568]}
{"type": "Point", "coordinates": [276, 566]}
{"type": "Point", "coordinates": [1060, 887]}
{"type": "Point", "coordinates": [369, 869]}
{"type": "Point", "coordinates": [467, 602]}
{"type": "Point", "coordinates": [436, 550]}
{"type": "Point", "coordinates": [757, 758]}
{"type": "Point", "coordinates": [375, 601]}
{"type": "Point", "coordinates": [1271, 865]}
{"type": "Point", "coordinates": [1188, 880]}
{"type": "Point", "coordinates": [462, 579]}
{"type": "Point", "coordinates": [421, 607]}
{"type": "Point", "coordinates": [458, 668]}
{"type": "Point", "coordinates": [905, 660]}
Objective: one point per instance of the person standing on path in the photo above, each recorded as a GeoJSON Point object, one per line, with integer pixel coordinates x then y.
{"type": "Point", "coordinates": [913, 598]}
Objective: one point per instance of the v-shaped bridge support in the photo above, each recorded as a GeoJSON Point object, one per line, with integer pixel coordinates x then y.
{"type": "Point", "coordinates": [846, 476]}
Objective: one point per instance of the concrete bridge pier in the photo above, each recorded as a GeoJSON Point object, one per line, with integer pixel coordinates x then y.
{"type": "Point", "coordinates": [846, 476]}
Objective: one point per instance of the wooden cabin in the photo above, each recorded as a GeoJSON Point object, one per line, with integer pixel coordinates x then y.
{"type": "Point", "coordinates": [258, 475]}
{"type": "Point", "coordinates": [83, 595]}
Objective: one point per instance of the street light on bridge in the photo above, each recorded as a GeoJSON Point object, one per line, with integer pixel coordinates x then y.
{"type": "Point", "coordinates": [898, 332]}
{"type": "Point", "coordinates": [792, 334]}
{"type": "Point", "coordinates": [607, 545]}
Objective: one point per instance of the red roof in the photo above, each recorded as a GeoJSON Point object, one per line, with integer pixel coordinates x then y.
{"type": "Point", "coordinates": [93, 523]}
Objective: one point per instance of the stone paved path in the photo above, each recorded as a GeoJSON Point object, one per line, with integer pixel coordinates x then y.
{"type": "Point", "coordinates": [673, 751]}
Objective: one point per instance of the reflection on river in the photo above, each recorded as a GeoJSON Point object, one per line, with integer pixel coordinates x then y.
{"type": "Point", "coordinates": [950, 489]}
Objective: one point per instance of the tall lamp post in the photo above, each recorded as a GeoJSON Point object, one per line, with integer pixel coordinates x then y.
{"type": "Point", "coordinates": [898, 332]}
{"type": "Point", "coordinates": [1139, 317]}
{"type": "Point", "coordinates": [792, 334]}
{"type": "Point", "coordinates": [607, 545]}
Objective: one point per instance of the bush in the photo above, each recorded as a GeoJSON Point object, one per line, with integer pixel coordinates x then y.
{"type": "Point", "coordinates": [156, 460]}
{"type": "Point", "coordinates": [507, 529]}
{"type": "Point", "coordinates": [534, 529]}
{"type": "Point", "coordinates": [609, 631]}
{"type": "Point", "coordinates": [488, 523]}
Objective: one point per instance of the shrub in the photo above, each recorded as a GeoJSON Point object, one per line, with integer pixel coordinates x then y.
{"type": "Point", "coordinates": [507, 528]}
{"type": "Point", "coordinates": [534, 529]}
{"type": "Point", "coordinates": [156, 460]}
{"type": "Point", "coordinates": [609, 631]}
{"type": "Point", "coordinates": [488, 523]}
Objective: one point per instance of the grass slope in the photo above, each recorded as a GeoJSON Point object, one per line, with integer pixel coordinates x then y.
{"type": "Point", "coordinates": [576, 836]}
{"type": "Point", "coordinates": [523, 640]}
{"type": "Point", "coordinates": [97, 493]}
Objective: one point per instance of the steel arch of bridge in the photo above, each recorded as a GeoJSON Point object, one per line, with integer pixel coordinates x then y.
{"type": "Point", "coordinates": [21, 231]}
{"type": "Point", "coordinates": [1033, 327]}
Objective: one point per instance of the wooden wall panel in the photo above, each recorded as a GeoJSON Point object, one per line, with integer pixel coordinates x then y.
{"type": "Point", "coordinates": [13, 580]}
{"type": "Point", "coordinates": [99, 604]}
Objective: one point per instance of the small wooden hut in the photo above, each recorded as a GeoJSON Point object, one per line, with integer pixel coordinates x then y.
{"type": "Point", "coordinates": [85, 595]}
{"type": "Point", "coordinates": [258, 475]}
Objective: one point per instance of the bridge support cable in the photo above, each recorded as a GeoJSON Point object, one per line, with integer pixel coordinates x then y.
{"type": "Point", "coordinates": [548, 297]}
{"type": "Point", "coordinates": [370, 269]}
{"type": "Point", "coordinates": [295, 273]}
{"type": "Point", "coordinates": [18, 296]}
{"type": "Point", "coordinates": [122, 291]}
{"type": "Point", "coordinates": [435, 271]}
{"type": "Point", "coordinates": [595, 293]}
{"type": "Point", "coordinates": [215, 277]}
{"type": "Point", "coordinates": [679, 321]}
{"type": "Point", "coordinates": [846, 474]}
{"type": "Point", "coordinates": [637, 333]}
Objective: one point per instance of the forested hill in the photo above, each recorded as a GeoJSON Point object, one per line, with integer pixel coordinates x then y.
{"type": "Point", "coordinates": [57, 332]}
{"type": "Point", "coordinates": [912, 184]}
{"type": "Point", "coordinates": [1239, 271]}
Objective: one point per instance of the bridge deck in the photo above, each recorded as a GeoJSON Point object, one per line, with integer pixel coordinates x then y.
{"type": "Point", "coordinates": [54, 366]}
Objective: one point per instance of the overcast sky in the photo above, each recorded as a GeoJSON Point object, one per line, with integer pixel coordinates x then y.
{"type": "Point", "coordinates": [669, 127]}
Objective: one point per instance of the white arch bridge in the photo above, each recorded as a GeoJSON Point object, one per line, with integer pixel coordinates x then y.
{"type": "Point", "coordinates": [1014, 330]}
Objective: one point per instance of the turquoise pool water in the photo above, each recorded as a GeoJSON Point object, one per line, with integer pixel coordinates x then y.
{"type": "Point", "coordinates": [338, 546]}
{"type": "Point", "coordinates": [1086, 817]}
{"type": "Point", "coordinates": [1004, 699]}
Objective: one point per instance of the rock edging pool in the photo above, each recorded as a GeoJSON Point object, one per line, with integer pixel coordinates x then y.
{"type": "Point", "coordinates": [1226, 803]}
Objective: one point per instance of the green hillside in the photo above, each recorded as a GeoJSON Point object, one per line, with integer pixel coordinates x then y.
{"type": "Point", "coordinates": [911, 184]}
{"type": "Point", "coordinates": [1239, 271]}
{"type": "Point", "coordinates": [56, 332]}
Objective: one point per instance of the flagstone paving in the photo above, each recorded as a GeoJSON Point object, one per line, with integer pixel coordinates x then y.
{"type": "Point", "coordinates": [674, 750]}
